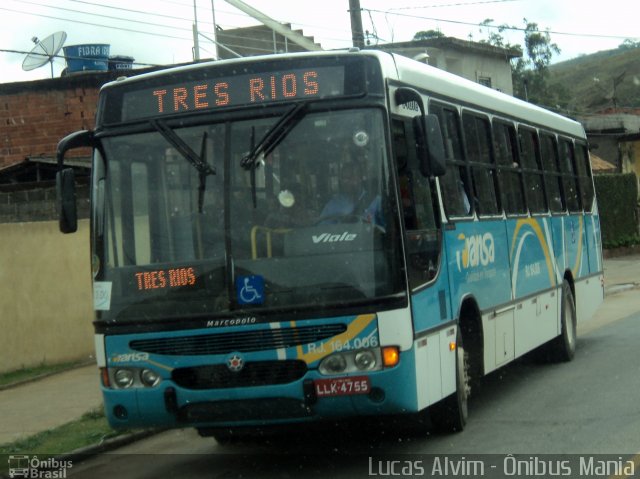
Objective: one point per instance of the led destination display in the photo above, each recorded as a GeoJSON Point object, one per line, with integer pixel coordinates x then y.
{"type": "Point", "coordinates": [232, 91]}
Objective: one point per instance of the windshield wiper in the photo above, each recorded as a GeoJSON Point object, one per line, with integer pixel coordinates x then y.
{"type": "Point", "coordinates": [183, 148]}
{"type": "Point", "coordinates": [197, 161]}
{"type": "Point", "coordinates": [274, 136]}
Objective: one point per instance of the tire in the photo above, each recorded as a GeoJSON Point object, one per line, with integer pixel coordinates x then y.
{"type": "Point", "coordinates": [451, 413]}
{"type": "Point", "coordinates": [563, 347]}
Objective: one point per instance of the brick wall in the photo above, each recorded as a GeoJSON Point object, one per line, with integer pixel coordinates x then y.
{"type": "Point", "coordinates": [35, 115]}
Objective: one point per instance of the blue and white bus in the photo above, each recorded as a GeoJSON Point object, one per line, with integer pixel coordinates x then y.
{"type": "Point", "coordinates": [293, 238]}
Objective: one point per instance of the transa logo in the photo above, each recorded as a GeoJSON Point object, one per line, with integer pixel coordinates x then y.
{"type": "Point", "coordinates": [478, 250]}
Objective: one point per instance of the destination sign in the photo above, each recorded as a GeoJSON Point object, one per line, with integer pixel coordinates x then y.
{"type": "Point", "coordinates": [234, 90]}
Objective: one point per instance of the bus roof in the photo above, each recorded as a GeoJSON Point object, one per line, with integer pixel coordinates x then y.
{"type": "Point", "coordinates": [416, 74]}
{"type": "Point", "coordinates": [462, 91]}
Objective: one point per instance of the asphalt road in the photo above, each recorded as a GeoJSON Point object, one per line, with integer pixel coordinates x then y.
{"type": "Point", "coordinates": [588, 406]}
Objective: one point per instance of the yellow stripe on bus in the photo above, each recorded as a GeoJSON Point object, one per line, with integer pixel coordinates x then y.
{"type": "Point", "coordinates": [575, 270]}
{"type": "Point", "coordinates": [327, 347]}
{"type": "Point", "coordinates": [543, 244]}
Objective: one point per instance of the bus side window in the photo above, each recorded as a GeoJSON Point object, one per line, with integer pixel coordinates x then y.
{"type": "Point", "coordinates": [549, 153]}
{"type": "Point", "coordinates": [455, 183]}
{"type": "Point", "coordinates": [584, 177]}
{"type": "Point", "coordinates": [568, 175]}
{"type": "Point", "coordinates": [504, 137]}
{"type": "Point", "coordinates": [478, 143]}
{"type": "Point", "coordinates": [530, 155]}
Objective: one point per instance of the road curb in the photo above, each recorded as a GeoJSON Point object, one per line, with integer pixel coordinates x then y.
{"type": "Point", "coordinates": [39, 377]}
{"type": "Point", "coordinates": [107, 445]}
{"type": "Point", "coordinates": [619, 288]}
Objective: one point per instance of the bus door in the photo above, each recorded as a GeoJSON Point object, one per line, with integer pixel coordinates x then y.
{"type": "Point", "coordinates": [422, 230]}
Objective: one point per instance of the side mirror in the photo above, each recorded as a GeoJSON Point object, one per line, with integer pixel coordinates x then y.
{"type": "Point", "coordinates": [66, 196]}
{"type": "Point", "coordinates": [66, 180]}
{"type": "Point", "coordinates": [429, 140]}
{"type": "Point", "coordinates": [78, 139]}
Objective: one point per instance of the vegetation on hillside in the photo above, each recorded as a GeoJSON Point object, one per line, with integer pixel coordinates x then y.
{"type": "Point", "coordinates": [604, 80]}
{"type": "Point", "coordinates": [587, 84]}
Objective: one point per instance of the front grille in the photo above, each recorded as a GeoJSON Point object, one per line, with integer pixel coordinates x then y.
{"type": "Point", "coordinates": [259, 373]}
{"type": "Point", "coordinates": [242, 341]}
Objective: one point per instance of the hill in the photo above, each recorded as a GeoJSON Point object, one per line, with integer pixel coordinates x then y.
{"type": "Point", "coordinates": [596, 82]}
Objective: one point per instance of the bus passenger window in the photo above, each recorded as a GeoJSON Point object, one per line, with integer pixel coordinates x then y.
{"type": "Point", "coordinates": [549, 153]}
{"type": "Point", "coordinates": [584, 177]}
{"type": "Point", "coordinates": [530, 155]}
{"type": "Point", "coordinates": [508, 169]}
{"type": "Point", "coordinates": [568, 175]}
{"type": "Point", "coordinates": [478, 143]}
{"type": "Point", "coordinates": [455, 183]}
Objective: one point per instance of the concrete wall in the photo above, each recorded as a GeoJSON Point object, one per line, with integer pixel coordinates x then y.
{"type": "Point", "coordinates": [46, 307]}
{"type": "Point", "coordinates": [473, 64]}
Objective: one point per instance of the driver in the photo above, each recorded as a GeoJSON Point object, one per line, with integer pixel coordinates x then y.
{"type": "Point", "coordinates": [352, 198]}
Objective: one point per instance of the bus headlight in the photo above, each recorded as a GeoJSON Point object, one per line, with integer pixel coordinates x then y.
{"type": "Point", "coordinates": [149, 377]}
{"type": "Point", "coordinates": [365, 360]}
{"type": "Point", "coordinates": [130, 378]}
{"type": "Point", "coordinates": [123, 378]}
{"type": "Point", "coordinates": [334, 364]}
{"type": "Point", "coordinates": [352, 362]}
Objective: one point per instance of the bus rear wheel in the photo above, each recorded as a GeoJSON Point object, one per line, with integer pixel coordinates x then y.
{"type": "Point", "coordinates": [451, 413]}
{"type": "Point", "coordinates": [563, 347]}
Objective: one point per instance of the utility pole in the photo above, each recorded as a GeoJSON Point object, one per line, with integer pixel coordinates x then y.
{"type": "Point", "coordinates": [215, 31]}
{"type": "Point", "coordinates": [357, 33]}
{"type": "Point", "coordinates": [196, 43]}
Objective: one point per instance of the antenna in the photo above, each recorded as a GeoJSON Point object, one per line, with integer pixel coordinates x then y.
{"type": "Point", "coordinates": [44, 51]}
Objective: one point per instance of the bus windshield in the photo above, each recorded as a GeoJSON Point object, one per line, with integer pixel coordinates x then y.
{"type": "Point", "coordinates": [310, 223]}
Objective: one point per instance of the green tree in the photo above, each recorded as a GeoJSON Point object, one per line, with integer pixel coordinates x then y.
{"type": "Point", "coordinates": [531, 74]}
{"type": "Point", "coordinates": [531, 71]}
{"type": "Point", "coordinates": [494, 37]}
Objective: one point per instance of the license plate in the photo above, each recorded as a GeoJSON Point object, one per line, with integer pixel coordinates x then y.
{"type": "Point", "coordinates": [342, 386]}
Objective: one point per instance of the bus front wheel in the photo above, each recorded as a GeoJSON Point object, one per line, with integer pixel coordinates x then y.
{"type": "Point", "coordinates": [450, 414]}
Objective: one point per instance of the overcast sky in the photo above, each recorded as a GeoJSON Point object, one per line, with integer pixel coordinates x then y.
{"type": "Point", "coordinates": [160, 31]}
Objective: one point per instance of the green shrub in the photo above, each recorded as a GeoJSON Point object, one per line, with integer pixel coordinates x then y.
{"type": "Point", "coordinates": [617, 199]}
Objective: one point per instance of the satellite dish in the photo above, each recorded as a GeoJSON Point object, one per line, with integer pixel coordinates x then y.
{"type": "Point", "coordinates": [44, 51]}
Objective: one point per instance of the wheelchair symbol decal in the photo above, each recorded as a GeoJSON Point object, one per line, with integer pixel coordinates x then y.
{"type": "Point", "coordinates": [250, 289]}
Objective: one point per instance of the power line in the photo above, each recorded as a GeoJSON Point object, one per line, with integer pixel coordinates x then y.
{"type": "Point", "coordinates": [108, 16]}
{"type": "Point", "coordinates": [95, 24]}
{"type": "Point", "coordinates": [208, 23]}
{"type": "Point", "coordinates": [459, 4]}
{"type": "Point", "coordinates": [502, 27]}
{"type": "Point", "coordinates": [267, 43]}
{"type": "Point", "coordinates": [163, 35]}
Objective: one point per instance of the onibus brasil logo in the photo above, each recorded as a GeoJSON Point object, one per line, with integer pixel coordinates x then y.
{"type": "Point", "coordinates": [478, 250]}
{"type": "Point", "coordinates": [27, 466]}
